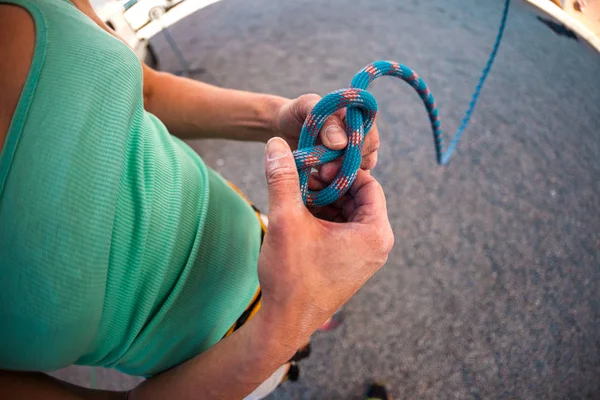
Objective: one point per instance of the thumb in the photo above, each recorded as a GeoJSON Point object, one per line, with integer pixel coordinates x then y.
{"type": "Point", "coordinates": [282, 177]}
{"type": "Point", "coordinates": [333, 133]}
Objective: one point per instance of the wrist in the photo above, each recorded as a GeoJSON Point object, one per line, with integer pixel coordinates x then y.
{"type": "Point", "coordinates": [282, 337]}
{"type": "Point", "coordinates": [270, 110]}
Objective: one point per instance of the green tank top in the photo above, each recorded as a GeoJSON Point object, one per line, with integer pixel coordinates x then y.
{"type": "Point", "coordinates": [119, 247]}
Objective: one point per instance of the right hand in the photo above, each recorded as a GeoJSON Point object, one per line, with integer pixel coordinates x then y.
{"type": "Point", "coordinates": [309, 267]}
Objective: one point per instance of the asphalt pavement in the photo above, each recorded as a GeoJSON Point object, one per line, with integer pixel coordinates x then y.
{"type": "Point", "coordinates": [492, 288]}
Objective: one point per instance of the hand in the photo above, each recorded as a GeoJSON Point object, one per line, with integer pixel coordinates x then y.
{"type": "Point", "coordinates": [291, 116]}
{"type": "Point", "coordinates": [309, 267]}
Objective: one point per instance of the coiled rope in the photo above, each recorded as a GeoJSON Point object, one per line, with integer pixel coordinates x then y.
{"type": "Point", "coordinates": [360, 115]}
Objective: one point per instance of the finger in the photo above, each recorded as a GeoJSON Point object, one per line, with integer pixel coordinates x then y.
{"type": "Point", "coordinates": [368, 200]}
{"type": "Point", "coordinates": [371, 143]}
{"type": "Point", "coordinates": [333, 133]}
{"type": "Point", "coordinates": [315, 182]}
{"type": "Point", "coordinates": [303, 105]}
{"type": "Point", "coordinates": [339, 219]}
{"type": "Point", "coordinates": [331, 211]}
{"type": "Point", "coordinates": [370, 209]}
{"type": "Point", "coordinates": [293, 114]}
{"type": "Point", "coordinates": [282, 178]}
{"type": "Point", "coordinates": [341, 202]}
{"type": "Point", "coordinates": [369, 161]}
{"type": "Point", "coordinates": [328, 213]}
{"type": "Point", "coordinates": [349, 209]}
{"type": "Point", "coordinates": [370, 147]}
{"type": "Point", "coordinates": [330, 170]}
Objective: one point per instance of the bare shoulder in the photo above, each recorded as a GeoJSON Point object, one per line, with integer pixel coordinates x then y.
{"type": "Point", "coordinates": [17, 43]}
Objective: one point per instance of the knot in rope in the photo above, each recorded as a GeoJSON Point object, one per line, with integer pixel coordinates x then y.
{"type": "Point", "coordinates": [360, 116]}
{"type": "Point", "coordinates": [361, 110]}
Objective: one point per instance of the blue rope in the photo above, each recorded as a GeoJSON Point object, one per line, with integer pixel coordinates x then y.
{"type": "Point", "coordinates": [360, 116]}
{"type": "Point", "coordinates": [473, 102]}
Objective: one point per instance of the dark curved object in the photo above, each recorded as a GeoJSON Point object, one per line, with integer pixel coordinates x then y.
{"type": "Point", "coordinates": [557, 28]}
{"type": "Point", "coordinates": [151, 58]}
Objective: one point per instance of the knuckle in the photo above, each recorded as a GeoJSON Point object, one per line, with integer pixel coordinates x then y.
{"type": "Point", "coordinates": [279, 223]}
{"type": "Point", "coordinates": [303, 105]}
{"type": "Point", "coordinates": [284, 222]}
{"type": "Point", "coordinates": [282, 172]}
{"type": "Point", "coordinates": [379, 241]}
{"type": "Point", "coordinates": [334, 120]}
{"type": "Point", "coordinates": [384, 241]}
{"type": "Point", "coordinates": [388, 242]}
{"type": "Point", "coordinates": [376, 143]}
{"type": "Point", "coordinates": [369, 162]}
{"type": "Point", "coordinates": [372, 144]}
{"type": "Point", "coordinates": [341, 113]}
{"type": "Point", "coordinates": [309, 98]}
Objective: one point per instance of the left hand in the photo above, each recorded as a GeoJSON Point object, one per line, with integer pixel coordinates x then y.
{"type": "Point", "coordinates": [290, 118]}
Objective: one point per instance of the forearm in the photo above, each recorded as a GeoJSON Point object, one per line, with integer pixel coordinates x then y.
{"type": "Point", "coordinates": [192, 109]}
{"type": "Point", "coordinates": [231, 369]}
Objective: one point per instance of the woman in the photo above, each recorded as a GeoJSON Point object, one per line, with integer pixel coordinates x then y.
{"type": "Point", "coordinates": [120, 248]}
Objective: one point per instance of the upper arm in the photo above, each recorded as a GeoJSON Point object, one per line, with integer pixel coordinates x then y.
{"type": "Point", "coordinates": [38, 386]}
{"type": "Point", "coordinates": [150, 76]}
{"type": "Point", "coordinates": [17, 42]}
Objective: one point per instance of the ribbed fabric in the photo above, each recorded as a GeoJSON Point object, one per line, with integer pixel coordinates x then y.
{"type": "Point", "coordinates": [118, 246]}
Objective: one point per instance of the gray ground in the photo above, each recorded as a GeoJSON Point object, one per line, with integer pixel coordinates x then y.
{"type": "Point", "coordinates": [492, 288]}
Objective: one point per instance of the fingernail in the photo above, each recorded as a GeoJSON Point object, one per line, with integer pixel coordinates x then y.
{"type": "Point", "coordinates": [276, 149]}
{"type": "Point", "coordinates": [335, 135]}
